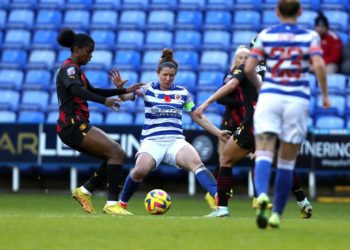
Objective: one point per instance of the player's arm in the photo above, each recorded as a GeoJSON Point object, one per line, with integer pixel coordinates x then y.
{"type": "Point", "coordinates": [249, 69]}
{"type": "Point", "coordinates": [114, 75]}
{"type": "Point", "coordinates": [320, 71]}
{"type": "Point", "coordinates": [113, 92]}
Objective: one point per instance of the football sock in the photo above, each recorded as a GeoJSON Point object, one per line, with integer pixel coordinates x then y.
{"type": "Point", "coordinates": [111, 203]}
{"type": "Point", "coordinates": [225, 183]}
{"type": "Point", "coordinates": [98, 177]}
{"type": "Point", "coordinates": [114, 179]}
{"type": "Point", "coordinates": [129, 188]}
{"type": "Point", "coordinates": [206, 179]}
{"type": "Point", "coordinates": [252, 169]}
{"type": "Point", "coordinates": [302, 203]}
{"type": "Point", "coordinates": [283, 184]}
{"type": "Point", "coordinates": [296, 188]}
{"type": "Point", "coordinates": [85, 191]}
{"type": "Point", "coordinates": [263, 162]}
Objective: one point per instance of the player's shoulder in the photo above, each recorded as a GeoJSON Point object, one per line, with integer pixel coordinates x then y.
{"type": "Point", "coordinates": [239, 70]}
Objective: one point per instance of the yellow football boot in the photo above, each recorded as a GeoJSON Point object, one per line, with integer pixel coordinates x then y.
{"type": "Point", "coordinates": [83, 199]}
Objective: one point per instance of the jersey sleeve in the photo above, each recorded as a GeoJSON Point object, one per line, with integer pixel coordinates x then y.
{"type": "Point", "coordinates": [71, 75]}
{"type": "Point", "coordinates": [239, 74]}
{"type": "Point", "coordinates": [315, 44]}
{"type": "Point", "coordinates": [189, 104]}
{"type": "Point", "coordinates": [141, 91]}
{"type": "Point", "coordinates": [258, 49]}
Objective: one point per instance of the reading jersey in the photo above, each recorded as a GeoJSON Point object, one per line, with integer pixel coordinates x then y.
{"type": "Point", "coordinates": [287, 49]}
{"type": "Point", "coordinates": [163, 111]}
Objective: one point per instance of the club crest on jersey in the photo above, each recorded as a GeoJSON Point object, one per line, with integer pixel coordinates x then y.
{"type": "Point", "coordinates": [178, 97]}
{"type": "Point", "coordinates": [167, 98]}
{"type": "Point", "coordinates": [71, 72]}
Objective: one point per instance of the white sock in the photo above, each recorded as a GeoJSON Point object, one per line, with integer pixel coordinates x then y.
{"type": "Point", "coordinates": [302, 203]}
{"type": "Point", "coordinates": [85, 191]}
{"type": "Point", "coordinates": [111, 203]}
{"type": "Point", "coordinates": [222, 208]}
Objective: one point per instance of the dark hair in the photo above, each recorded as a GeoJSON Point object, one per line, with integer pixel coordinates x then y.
{"type": "Point", "coordinates": [167, 60]}
{"type": "Point", "coordinates": [322, 20]}
{"type": "Point", "coordinates": [252, 42]}
{"type": "Point", "coordinates": [67, 38]}
{"type": "Point", "coordinates": [288, 8]}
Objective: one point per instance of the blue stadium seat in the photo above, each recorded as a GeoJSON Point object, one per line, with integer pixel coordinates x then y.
{"type": "Point", "coordinates": [128, 106]}
{"type": "Point", "coordinates": [268, 4]}
{"type": "Point", "coordinates": [310, 123]}
{"type": "Point", "coordinates": [5, 4]}
{"type": "Point", "coordinates": [62, 55]}
{"type": "Point", "coordinates": [42, 59]}
{"type": "Point", "coordinates": [104, 19]}
{"type": "Point", "coordinates": [119, 118]}
{"type": "Point", "coordinates": [107, 5]}
{"type": "Point", "coordinates": [135, 4]}
{"type": "Point", "coordinates": [334, 4]}
{"type": "Point", "coordinates": [247, 19]}
{"type": "Point", "coordinates": [337, 105]}
{"type": "Point", "coordinates": [150, 59]}
{"type": "Point", "coordinates": [9, 100]}
{"type": "Point", "coordinates": [336, 83]}
{"type": "Point", "coordinates": [161, 19]}
{"type": "Point", "coordinates": [187, 39]}
{"type": "Point", "coordinates": [139, 106]}
{"type": "Point", "coordinates": [48, 19]}
{"type": "Point", "coordinates": [203, 95]}
{"type": "Point", "coordinates": [53, 103]}
{"type": "Point", "coordinates": [96, 118]}
{"type": "Point", "coordinates": [210, 80]}
{"type": "Point", "coordinates": [11, 79]}
{"type": "Point", "coordinates": [140, 118]}
{"type": "Point", "coordinates": [313, 83]}
{"type": "Point", "coordinates": [1, 38]}
{"type": "Point", "coordinates": [248, 4]}
{"type": "Point", "coordinates": [149, 76]}
{"type": "Point", "coordinates": [132, 20]}
{"type": "Point", "coordinates": [187, 19]}
{"type": "Point", "coordinates": [338, 20]}
{"type": "Point", "coordinates": [14, 59]}
{"type": "Point", "coordinates": [77, 19]}
{"type": "Point", "coordinates": [37, 80]}
{"type": "Point", "coordinates": [101, 59]}
{"type": "Point", "coordinates": [187, 59]}
{"type": "Point", "coordinates": [7, 116]}
{"type": "Point", "coordinates": [312, 106]}
{"type": "Point", "coordinates": [97, 107]}
{"type": "Point", "coordinates": [343, 37]}
{"type": "Point", "coordinates": [216, 39]}
{"type": "Point", "coordinates": [20, 19]}
{"type": "Point", "coordinates": [2, 19]}
{"type": "Point", "coordinates": [186, 79]}
{"type": "Point", "coordinates": [44, 39]}
{"type": "Point", "coordinates": [97, 78]}
{"type": "Point", "coordinates": [158, 39]}
{"type": "Point", "coordinates": [191, 4]}
{"type": "Point", "coordinates": [269, 18]}
{"type": "Point", "coordinates": [127, 59]}
{"type": "Point", "coordinates": [242, 37]}
{"type": "Point", "coordinates": [329, 122]}
{"type": "Point", "coordinates": [215, 118]}
{"type": "Point", "coordinates": [163, 4]}
{"type": "Point", "coordinates": [186, 120]}
{"type": "Point", "coordinates": [31, 117]}
{"type": "Point", "coordinates": [218, 20]}
{"type": "Point", "coordinates": [17, 38]}
{"type": "Point", "coordinates": [51, 4]}
{"type": "Point", "coordinates": [214, 60]}
{"type": "Point", "coordinates": [310, 4]}
{"type": "Point", "coordinates": [23, 4]}
{"type": "Point", "coordinates": [79, 4]}
{"type": "Point", "coordinates": [104, 39]}
{"type": "Point", "coordinates": [307, 18]}
{"type": "Point", "coordinates": [52, 117]}
{"type": "Point", "coordinates": [130, 40]}
{"type": "Point", "coordinates": [34, 100]}
{"type": "Point", "coordinates": [347, 105]}
{"type": "Point", "coordinates": [131, 76]}
{"type": "Point", "coordinates": [219, 5]}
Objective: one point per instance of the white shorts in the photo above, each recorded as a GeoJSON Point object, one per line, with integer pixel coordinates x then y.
{"type": "Point", "coordinates": [162, 151]}
{"type": "Point", "coordinates": [287, 117]}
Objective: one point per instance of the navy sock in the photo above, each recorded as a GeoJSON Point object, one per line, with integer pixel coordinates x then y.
{"type": "Point", "coordinates": [225, 183]}
{"type": "Point", "coordinates": [283, 184]}
{"type": "Point", "coordinates": [262, 176]}
{"type": "Point", "coordinates": [296, 188]}
{"type": "Point", "coordinates": [129, 188]}
{"type": "Point", "coordinates": [206, 180]}
{"type": "Point", "coordinates": [114, 179]}
{"type": "Point", "coordinates": [98, 177]}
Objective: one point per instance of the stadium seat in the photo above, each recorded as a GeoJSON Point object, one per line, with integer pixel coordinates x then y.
{"type": "Point", "coordinates": [2, 19]}
{"type": "Point", "coordinates": [269, 18]}
{"type": "Point", "coordinates": [334, 4]}
{"type": "Point", "coordinates": [186, 79]}
{"type": "Point", "coordinates": [44, 39]}
{"type": "Point", "coordinates": [216, 40]}
{"type": "Point", "coordinates": [17, 38]}
{"type": "Point", "coordinates": [51, 4]}
{"type": "Point", "coordinates": [119, 118]}
{"type": "Point", "coordinates": [48, 19]}
{"type": "Point", "coordinates": [247, 19]}
{"type": "Point", "coordinates": [13, 59]}
{"type": "Point", "coordinates": [139, 118]}
{"type": "Point", "coordinates": [191, 4]}
{"type": "Point", "coordinates": [329, 122]}
{"type": "Point", "coordinates": [98, 78]}
{"type": "Point", "coordinates": [187, 121]}
{"type": "Point", "coordinates": [43, 59]}
{"type": "Point", "coordinates": [20, 19]}
{"type": "Point", "coordinates": [96, 118]}
{"type": "Point", "coordinates": [104, 19]}
{"type": "Point", "coordinates": [132, 20]}
{"type": "Point", "coordinates": [215, 118]}
{"type": "Point", "coordinates": [79, 4]}
{"type": "Point", "coordinates": [11, 79]}
{"type": "Point", "coordinates": [52, 117]}
{"type": "Point", "coordinates": [158, 39]}
{"type": "Point", "coordinates": [337, 105]}
{"type": "Point", "coordinates": [150, 59]}
{"type": "Point", "coordinates": [242, 37]}
{"type": "Point", "coordinates": [34, 100]}
{"type": "Point", "coordinates": [161, 19]}
{"type": "Point", "coordinates": [187, 39]}
{"type": "Point", "coordinates": [77, 19]}
{"type": "Point", "coordinates": [131, 76]}
{"type": "Point", "coordinates": [31, 117]}
{"type": "Point", "coordinates": [135, 4]}
{"type": "Point", "coordinates": [336, 83]}
{"type": "Point", "coordinates": [97, 107]}
{"type": "Point", "coordinates": [107, 5]}
{"type": "Point", "coordinates": [312, 106]}
{"type": "Point", "coordinates": [163, 4]}
{"type": "Point", "coordinates": [23, 4]}
{"type": "Point", "coordinates": [214, 60]}
{"type": "Point", "coordinates": [9, 100]}
{"type": "Point", "coordinates": [127, 60]}
{"type": "Point", "coordinates": [202, 96]}
{"type": "Point", "coordinates": [101, 59]}
{"type": "Point", "coordinates": [7, 116]}
{"type": "Point", "coordinates": [149, 76]}
{"type": "Point", "coordinates": [104, 39]}
{"type": "Point", "coordinates": [248, 4]}
{"type": "Point", "coordinates": [53, 102]}
{"type": "Point", "coordinates": [343, 37]}
{"type": "Point", "coordinates": [187, 19]}
{"type": "Point", "coordinates": [218, 20]}
{"type": "Point", "coordinates": [310, 123]}
{"type": "Point", "coordinates": [127, 106]}
{"type": "Point", "coordinates": [210, 80]}
{"type": "Point", "coordinates": [307, 18]}
{"type": "Point", "coordinates": [62, 55]}
{"type": "Point", "coordinates": [187, 59]}
{"type": "Point", "coordinates": [37, 80]}
{"type": "Point", "coordinates": [130, 40]}
{"type": "Point", "coordinates": [219, 5]}
{"type": "Point", "coordinates": [338, 20]}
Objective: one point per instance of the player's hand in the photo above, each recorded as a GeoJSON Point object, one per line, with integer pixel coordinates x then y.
{"type": "Point", "coordinates": [112, 102]}
{"type": "Point", "coordinates": [114, 75]}
{"type": "Point", "coordinates": [326, 102]}
{"type": "Point", "coordinates": [199, 111]}
{"type": "Point", "coordinates": [134, 87]}
{"type": "Point", "coordinates": [225, 135]}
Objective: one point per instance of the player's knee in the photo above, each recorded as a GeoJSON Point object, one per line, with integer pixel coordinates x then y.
{"type": "Point", "coordinates": [139, 173]}
{"type": "Point", "coordinates": [116, 153]}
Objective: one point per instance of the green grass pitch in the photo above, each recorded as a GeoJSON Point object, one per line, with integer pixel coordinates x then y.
{"type": "Point", "coordinates": [55, 221]}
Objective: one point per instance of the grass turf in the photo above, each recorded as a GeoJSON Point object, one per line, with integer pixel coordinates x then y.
{"type": "Point", "coordinates": [53, 221]}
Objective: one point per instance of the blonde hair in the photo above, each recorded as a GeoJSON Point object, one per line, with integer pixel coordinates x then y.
{"type": "Point", "coordinates": [241, 48]}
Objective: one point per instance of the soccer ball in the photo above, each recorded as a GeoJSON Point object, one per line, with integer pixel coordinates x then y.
{"type": "Point", "coordinates": [157, 201]}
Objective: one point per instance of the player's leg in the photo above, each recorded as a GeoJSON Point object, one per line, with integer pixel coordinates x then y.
{"type": "Point", "coordinates": [302, 201]}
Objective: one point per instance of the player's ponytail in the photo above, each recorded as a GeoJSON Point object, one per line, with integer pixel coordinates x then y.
{"type": "Point", "coordinates": [68, 38]}
{"type": "Point", "coordinates": [167, 60]}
